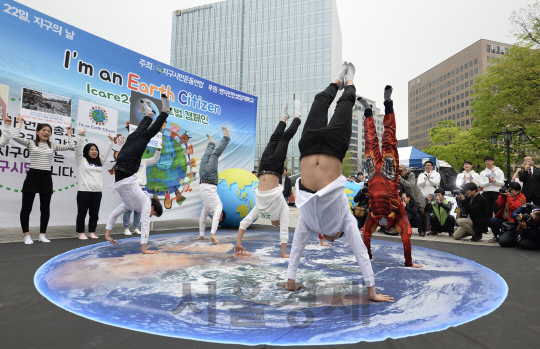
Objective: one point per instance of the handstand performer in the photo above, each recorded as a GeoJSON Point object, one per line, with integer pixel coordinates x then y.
{"type": "Point", "coordinates": [320, 192]}
{"type": "Point", "coordinates": [385, 208]}
{"type": "Point", "coordinates": [208, 189]}
{"type": "Point", "coordinates": [127, 165]}
{"type": "Point", "coordinates": [270, 203]}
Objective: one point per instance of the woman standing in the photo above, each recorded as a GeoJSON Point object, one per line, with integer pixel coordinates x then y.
{"type": "Point", "coordinates": [90, 183]}
{"type": "Point", "coordinates": [39, 177]}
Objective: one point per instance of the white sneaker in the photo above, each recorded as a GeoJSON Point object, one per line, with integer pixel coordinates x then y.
{"type": "Point", "coordinates": [42, 238]}
{"type": "Point", "coordinates": [28, 240]}
{"type": "Point", "coordinates": [127, 232]}
{"type": "Point", "coordinates": [137, 231]}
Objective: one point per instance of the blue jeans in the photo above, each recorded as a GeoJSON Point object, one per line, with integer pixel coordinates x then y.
{"type": "Point", "coordinates": [496, 224]}
{"type": "Point", "coordinates": [136, 219]}
{"type": "Point", "coordinates": [209, 162]}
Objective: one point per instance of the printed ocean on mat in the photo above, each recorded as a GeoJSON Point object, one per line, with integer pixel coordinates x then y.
{"type": "Point", "coordinates": [199, 291]}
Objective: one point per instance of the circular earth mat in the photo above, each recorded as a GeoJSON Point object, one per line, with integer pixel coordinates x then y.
{"type": "Point", "coordinates": [199, 291]}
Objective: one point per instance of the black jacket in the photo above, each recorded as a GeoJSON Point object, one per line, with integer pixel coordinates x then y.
{"type": "Point", "coordinates": [530, 186]}
{"type": "Point", "coordinates": [477, 211]}
{"type": "Point", "coordinates": [286, 186]}
{"type": "Point", "coordinates": [412, 209]}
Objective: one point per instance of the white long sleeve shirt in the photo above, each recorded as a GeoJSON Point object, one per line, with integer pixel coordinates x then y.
{"type": "Point", "coordinates": [328, 212]}
{"type": "Point", "coordinates": [6, 135]}
{"type": "Point", "coordinates": [90, 176]}
{"type": "Point", "coordinates": [141, 174]}
{"type": "Point", "coordinates": [467, 177]}
{"type": "Point", "coordinates": [428, 183]}
{"type": "Point", "coordinates": [133, 199]}
{"type": "Point", "coordinates": [41, 156]}
{"type": "Point", "coordinates": [270, 205]}
{"type": "Point", "coordinates": [497, 174]}
{"type": "Point", "coordinates": [211, 206]}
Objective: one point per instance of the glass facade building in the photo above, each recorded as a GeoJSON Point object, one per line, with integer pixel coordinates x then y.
{"type": "Point", "coordinates": [277, 50]}
{"type": "Point", "coordinates": [357, 144]}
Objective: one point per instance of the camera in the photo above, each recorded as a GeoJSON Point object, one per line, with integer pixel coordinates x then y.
{"type": "Point", "coordinates": [459, 191]}
{"type": "Point", "coordinates": [503, 189]}
{"type": "Point", "coordinates": [525, 217]}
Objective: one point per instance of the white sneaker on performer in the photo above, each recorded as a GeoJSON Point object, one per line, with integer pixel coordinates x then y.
{"type": "Point", "coordinates": [127, 232]}
{"type": "Point", "coordinates": [137, 231]}
{"type": "Point", "coordinates": [297, 109]}
{"type": "Point", "coordinates": [28, 240]}
{"type": "Point", "coordinates": [147, 110]}
{"type": "Point", "coordinates": [42, 238]}
{"type": "Point", "coordinates": [286, 115]}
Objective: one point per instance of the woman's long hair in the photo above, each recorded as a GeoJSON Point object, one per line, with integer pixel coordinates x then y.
{"type": "Point", "coordinates": [37, 140]}
{"type": "Point", "coordinates": [86, 150]}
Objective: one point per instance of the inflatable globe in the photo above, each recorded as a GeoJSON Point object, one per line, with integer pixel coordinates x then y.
{"type": "Point", "coordinates": [139, 112]}
{"type": "Point", "coordinates": [351, 189]}
{"type": "Point", "coordinates": [236, 189]}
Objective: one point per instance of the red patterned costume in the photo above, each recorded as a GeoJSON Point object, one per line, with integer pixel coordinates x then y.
{"type": "Point", "coordinates": [385, 206]}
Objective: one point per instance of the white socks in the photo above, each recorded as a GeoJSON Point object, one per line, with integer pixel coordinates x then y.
{"type": "Point", "coordinates": [364, 103]}
{"type": "Point", "coordinates": [42, 238]}
{"type": "Point", "coordinates": [165, 105]}
{"type": "Point", "coordinates": [137, 231]}
{"type": "Point", "coordinates": [147, 110]}
{"type": "Point", "coordinates": [297, 108]}
{"type": "Point", "coordinates": [341, 75]}
{"type": "Point", "coordinates": [28, 240]}
{"type": "Point", "coordinates": [350, 73]}
{"type": "Point", "coordinates": [127, 232]}
{"type": "Point", "coordinates": [286, 111]}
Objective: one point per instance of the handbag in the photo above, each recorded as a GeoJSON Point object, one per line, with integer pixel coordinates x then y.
{"type": "Point", "coordinates": [359, 211]}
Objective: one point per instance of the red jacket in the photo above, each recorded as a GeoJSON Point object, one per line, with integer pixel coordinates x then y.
{"type": "Point", "coordinates": [513, 204]}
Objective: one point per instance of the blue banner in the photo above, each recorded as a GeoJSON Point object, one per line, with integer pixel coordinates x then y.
{"type": "Point", "coordinates": [59, 65]}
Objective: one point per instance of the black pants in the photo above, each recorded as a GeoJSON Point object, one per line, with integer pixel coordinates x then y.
{"type": "Point", "coordinates": [129, 158]}
{"type": "Point", "coordinates": [534, 199]}
{"type": "Point", "coordinates": [273, 156]}
{"type": "Point", "coordinates": [44, 206]}
{"type": "Point", "coordinates": [332, 138]}
{"type": "Point", "coordinates": [88, 201]}
{"type": "Point", "coordinates": [526, 241]}
{"type": "Point", "coordinates": [448, 226]}
{"type": "Point", "coordinates": [492, 207]}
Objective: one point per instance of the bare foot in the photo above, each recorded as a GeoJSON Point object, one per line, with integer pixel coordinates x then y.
{"type": "Point", "coordinates": [225, 131]}
{"type": "Point", "coordinates": [417, 266]}
{"type": "Point", "coordinates": [210, 138]}
{"type": "Point", "coordinates": [285, 255]}
{"type": "Point", "coordinates": [202, 238]}
{"type": "Point", "coordinates": [325, 244]}
{"type": "Point", "coordinates": [93, 236]}
{"type": "Point", "coordinates": [214, 240]}
{"type": "Point", "coordinates": [82, 236]}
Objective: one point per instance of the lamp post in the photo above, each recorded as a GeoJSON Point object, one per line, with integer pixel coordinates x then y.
{"type": "Point", "coordinates": [507, 137]}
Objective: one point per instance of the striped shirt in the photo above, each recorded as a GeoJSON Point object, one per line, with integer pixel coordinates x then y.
{"type": "Point", "coordinates": [41, 156]}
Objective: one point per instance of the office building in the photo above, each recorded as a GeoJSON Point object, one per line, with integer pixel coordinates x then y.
{"type": "Point", "coordinates": [276, 50]}
{"type": "Point", "coordinates": [357, 144]}
{"type": "Point", "coordinates": [444, 91]}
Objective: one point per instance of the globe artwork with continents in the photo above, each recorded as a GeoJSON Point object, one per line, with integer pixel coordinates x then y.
{"type": "Point", "coordinates": [236, 190]}
{"type": "Point", "coordinates": [199, 291]}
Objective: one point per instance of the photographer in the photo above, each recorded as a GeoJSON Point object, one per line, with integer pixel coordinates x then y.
{"type": "Point", "coordinates": [412, 209]}
{"type": "Point", "coordinates": [361, 210]}
{"type": "Point", "coordinates": [509, 201]}
{"type": "Point", "coordinates": [441, 220]}
{"type": "Point", "coordinates": [475, 205]}
{"type": "Point", "coordinates": [527, 235]}
{"type": "Point", "coordinates": [407, 183]}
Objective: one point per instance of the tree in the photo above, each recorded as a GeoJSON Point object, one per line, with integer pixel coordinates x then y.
{"type": "Point", "coordinates": [348, 165]}
{"type": "Point", "coordinates": [454, 145]}
{"type": "Point", "coordinates": [507, 95]}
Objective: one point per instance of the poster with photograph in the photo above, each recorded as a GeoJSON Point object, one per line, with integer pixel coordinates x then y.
{"type": "Point", "coordinates": [4, 92]}
{"type": "Point", "coordinates": [155, 142]}
{"type": "Point", "coordinates": [96, 118]}
{"type": "Point", "coordinates": [43, 107]}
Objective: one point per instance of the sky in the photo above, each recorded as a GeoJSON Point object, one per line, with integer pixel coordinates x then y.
{"type": "Point", "coordinates": [390, 42]}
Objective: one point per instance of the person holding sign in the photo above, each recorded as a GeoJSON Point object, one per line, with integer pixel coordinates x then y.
{"type": "Point", "coordinates": [269, 200]}
{"type": "Point", "coordinates": [6, 130]}
{"type": "Point", "coordinates": [128, 163]}
{"type": "Point", "coordinates": [208, 189]}
{"type": "Point", "coordinates": [90, 183]}
{"type": "Point", "coordinates": [39, 177]}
